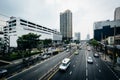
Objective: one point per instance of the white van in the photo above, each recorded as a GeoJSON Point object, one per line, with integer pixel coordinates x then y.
{"type": "Point", "coordinates": [65, 63]}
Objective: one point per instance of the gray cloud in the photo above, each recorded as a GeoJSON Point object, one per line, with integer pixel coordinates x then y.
{"type": "Point", "coordinates": [46, 12]}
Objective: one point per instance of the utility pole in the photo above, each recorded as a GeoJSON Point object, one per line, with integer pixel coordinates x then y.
{"type": "Point", "coordinates": [114, 52]}
{"type": "Point", "coordinates": [105, 47]}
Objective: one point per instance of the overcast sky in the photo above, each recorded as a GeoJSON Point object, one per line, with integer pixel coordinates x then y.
{"type": "Point", "coordinates": [47, 12]}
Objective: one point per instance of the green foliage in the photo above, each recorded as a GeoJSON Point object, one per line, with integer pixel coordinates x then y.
{"type": "Point", "coordinates": [77, 41]}
{"type": "Point", "coordinates": [28, 41]}
{"type": "Point", "coordinates": [93, 42]}
{"type": "Point", "coordinates": [66, 41]}
{"type": "Point", "coordinates": [47, 42]}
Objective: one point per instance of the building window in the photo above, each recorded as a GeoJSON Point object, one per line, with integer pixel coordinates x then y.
{"type": "Point", "coordinates": [31, 23]}
{"type": "Point", "coordinates": [31, 26]}
{"type": "Point", "coordinates": [14, 24]}
{"type": "Point", "coordinates": [13, 21]}
{"type": "Point", "coordinates": [23, 21]}
{"type": "Point", "coordinates": [23, 24]}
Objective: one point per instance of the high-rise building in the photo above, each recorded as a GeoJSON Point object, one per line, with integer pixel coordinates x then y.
{"type": "Point", "coordinates": [104, 29]}
{"type": "Point", "coordinates": [88, 36]}
{"type": "Point", "coordinates": [117, 14]}
{"type": "Point", "coordinates": [77, 36]}
{"type": "Point", "coordinates": [66, 25]}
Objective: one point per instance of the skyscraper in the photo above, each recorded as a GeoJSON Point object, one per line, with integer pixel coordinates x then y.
{"type": "Point", "coordinates": [66, 25]}
{"type": "Point", "coordinates": [88, 36]}
{"type": "Point", "coordinates": [77, 36]}
{"type": "Point", "coordinates": [117, 14]}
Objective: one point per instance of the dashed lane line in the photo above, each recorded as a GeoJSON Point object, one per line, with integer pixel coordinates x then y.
{"type": "Point", "coordinates": [86, 72]}
{"type": "Point", "coordinates": [97, 65]}
{"type": "Point", "coordinates": [99, 70]}
{"type": "Point", "coordinates": [53, 74]}
{"type": "Point", "coordinates": [70, 72]}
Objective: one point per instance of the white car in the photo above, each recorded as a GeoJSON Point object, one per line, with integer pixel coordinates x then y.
{"type": "Point", "coordinates": [89, 60]}
{"type": "Point", "coordinates": [65, 64]}
{"type": "Point", "coordinates": [67, 50]}
{"type": "Point", "coordinates": [96, 55]}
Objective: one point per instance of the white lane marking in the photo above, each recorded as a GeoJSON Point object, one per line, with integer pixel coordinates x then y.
{"type": "Point", "coordinates": [73, 65]}
{"type": "Point", "coordinates": [86, 78]}
{"type": "Point", "coordinates": [95, 60]}
{"type": "Point", "coordinates": [86, 72]}
{"type": "Point", "coordinates": [70, 72]}
{"type": "Point", "coordinates": [99, 70]}
{"type": "Point", "coordinates": [96, 64]}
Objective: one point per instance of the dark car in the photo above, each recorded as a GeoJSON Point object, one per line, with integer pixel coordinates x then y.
{"type": "Point", "coordinates": [3, 72]}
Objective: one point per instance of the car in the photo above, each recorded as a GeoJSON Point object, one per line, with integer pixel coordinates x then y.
{"type": "Point", "coordinates": [96, 55]}
{"type": "Point", "coordinates": [67, 50]}
{"type": "Point", "coordinates": [45, 57]}
{"type": "Point", "coordinates": [76, 53]}
{"type": "Point", "coordinates": [64, 64]}
{"type": "Point", "coordinates": [89, 60]}
{"type": "Point", "coordinates": [3, 72]}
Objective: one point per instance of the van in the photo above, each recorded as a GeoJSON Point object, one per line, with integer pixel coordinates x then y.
{"type": "Point", "coordinates": [65, 64]}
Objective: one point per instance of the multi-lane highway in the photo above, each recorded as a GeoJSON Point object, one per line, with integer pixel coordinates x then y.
{"type": "Point", "coordinates": [79, 69]}
{"type": "Point", "coordinates": [37, 71]}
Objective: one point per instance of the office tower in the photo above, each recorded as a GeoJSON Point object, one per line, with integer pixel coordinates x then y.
{"type": "Point", "coordinates": [117, 14]}
{"type": "Point", "coordinates": [77, 36]}
{"type": "Point", "coordinates": [66, 25]}
{"type": "Point", "coordinates": [88, 36]}
{"type": "Point", "coordinates": [104, 29]}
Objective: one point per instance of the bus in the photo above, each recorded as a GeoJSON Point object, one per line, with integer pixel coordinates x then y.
{"type": "Point", "coordinates": [65, 64]}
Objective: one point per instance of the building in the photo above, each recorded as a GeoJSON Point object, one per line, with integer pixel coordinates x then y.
{"type": "Point", "coordinates": [104, 29]}
{"type": "Point", "coordinates": [1, 41]}
{"type": "Point", "coordinates": [117, 14]}
{"type": "Point", "coordinates": [111, 40]}
{"type": "Point", "coordinates": [18, 27]}
{"type": "Point", "coordinates": [77, 36]}
{"type": "Point", "coordinates": [88, 37]}
{"type": "Point", "coordinates": [66, 25]}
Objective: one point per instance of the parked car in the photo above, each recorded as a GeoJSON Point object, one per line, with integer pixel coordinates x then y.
{"type": "Point", "coordinates": [3, 72]}
{"type": "Point", "coordinates": [45, 56]}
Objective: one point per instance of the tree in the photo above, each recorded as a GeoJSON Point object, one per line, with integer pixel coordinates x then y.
{"type": "Point", "coordinates": [66, 41]}
{"type": "Point", "coordinates": [2, 44]}
{"type": "Point", "coordinates": [47, 42]}
{"type": "Point", "coordinates": [94, 43]}
{"type": "Point", "coordinates": [28, 41]}
{"type": "Point", "coordinates": [77, 41]}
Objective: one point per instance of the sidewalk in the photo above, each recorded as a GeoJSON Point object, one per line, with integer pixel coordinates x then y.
{"type": "Point", "coordinates": [16, 61]}
{"type": "Point", "coordinates": [109, 62]}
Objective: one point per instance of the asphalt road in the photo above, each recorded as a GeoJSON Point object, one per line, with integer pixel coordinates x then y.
{"type": "Point", "coordinates": [37, 71]}
{"type": "Point", "coordinates": [81, 70]}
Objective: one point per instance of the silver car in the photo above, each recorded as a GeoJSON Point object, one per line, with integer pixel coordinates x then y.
{"type": "Point", "coordinates": [89, 60]}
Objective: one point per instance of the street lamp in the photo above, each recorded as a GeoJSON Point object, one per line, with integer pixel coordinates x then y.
{"type": "Point", "coordinates": [114, 52]}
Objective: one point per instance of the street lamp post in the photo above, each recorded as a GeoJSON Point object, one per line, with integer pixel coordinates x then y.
{"type": "Point", "coordinates": [114, 53]}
